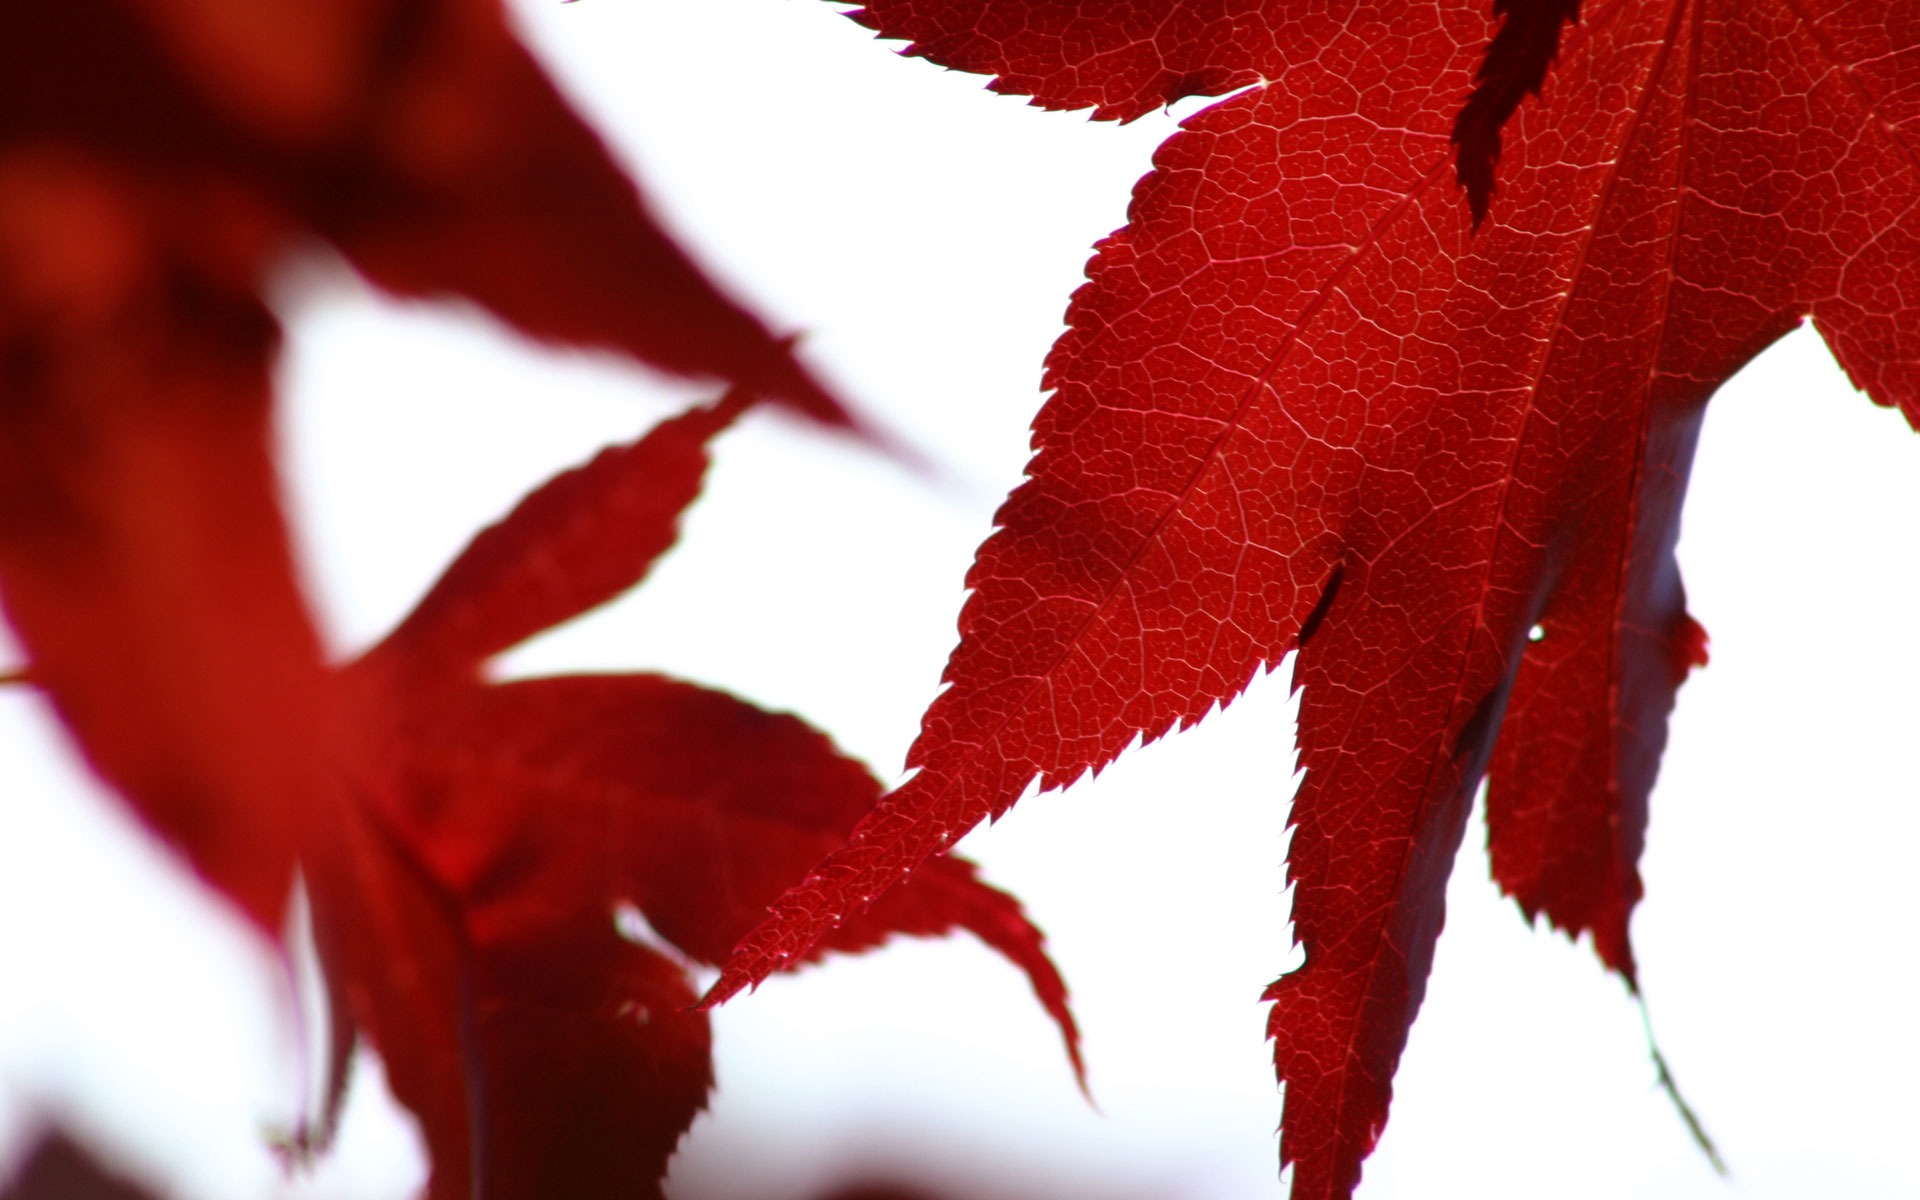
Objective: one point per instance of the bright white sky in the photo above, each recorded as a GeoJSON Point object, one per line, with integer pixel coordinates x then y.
{"type": "Point", "coordinates": [926, 235]}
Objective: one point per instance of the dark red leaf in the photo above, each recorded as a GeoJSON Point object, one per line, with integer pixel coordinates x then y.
{"type": "Point", "coordinates": [1516, 64]}
{"type": "Point", "coordinates": [540, 1050]}
{"type": "Point", "coordinates": [1299, 396]}
{"type": "Point", "coordinates": [398, 965]}
{"type": "Point", "coordinates": [597, 1062]}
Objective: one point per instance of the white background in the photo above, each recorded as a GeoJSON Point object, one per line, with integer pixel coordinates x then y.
{"type": "Point", "coordinates": [925, 235]}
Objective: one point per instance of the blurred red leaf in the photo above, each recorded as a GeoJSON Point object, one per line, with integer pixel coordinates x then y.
{"type": "Point", "coordinates": [158, 160]}
{"type": "Point", "coordinates": [143, 561]}
{"type": "Point", "coordinates": [418, 136]}
{"type": "Point", "coordinates": [1303, 404]}
{"type": "Point", "coordinates": [466, 902]}
{"type": "Point", "coordinates": [580, 539]}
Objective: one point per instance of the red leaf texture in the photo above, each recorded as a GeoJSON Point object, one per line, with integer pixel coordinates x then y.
{"type": "Point", "coordinates": [157, 159]}
{"type": "Point", "coordinates": [1516, 65]}
{"type": "Point", "coordinates": [465, 903]}
{"type": "Point", "coordinates": [1302, 404]}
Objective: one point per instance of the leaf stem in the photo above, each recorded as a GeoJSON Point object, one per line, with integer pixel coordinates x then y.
{"type": "Point", "coordinates": [1665, 1079]}
{"type": "Point", "coordinates": [733, 402]}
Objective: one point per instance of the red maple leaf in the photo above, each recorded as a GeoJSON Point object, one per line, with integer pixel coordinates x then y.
{"type": "Point", "coordinates": [158, 160]}
{"type": "Point", "coordinates": [465, 894]}
{"type": "Point", "coordinates": [1303, 404]}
